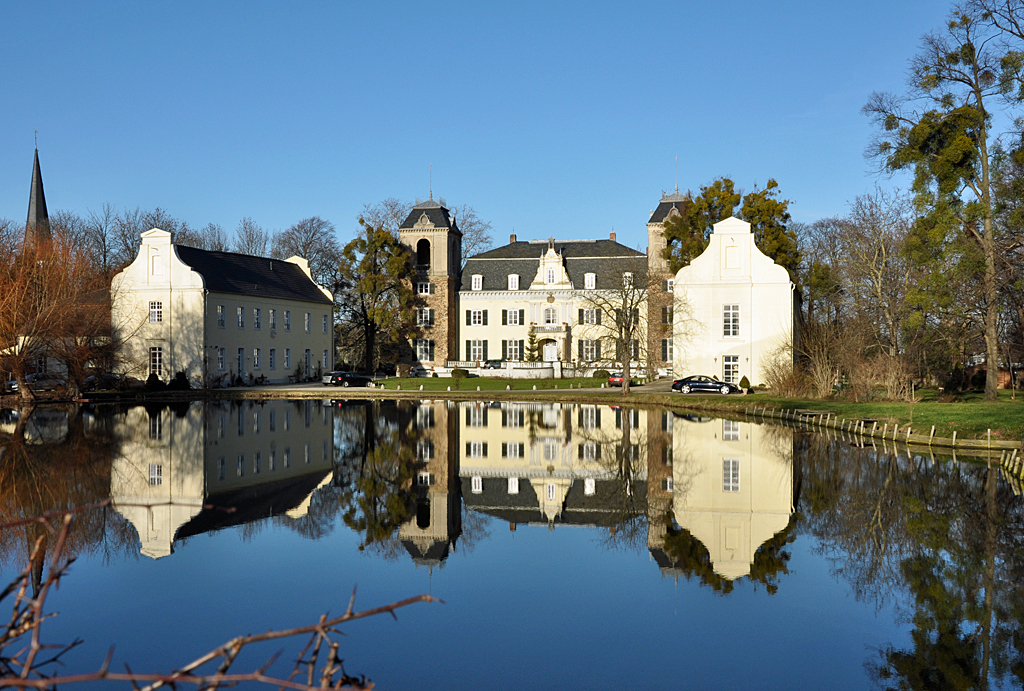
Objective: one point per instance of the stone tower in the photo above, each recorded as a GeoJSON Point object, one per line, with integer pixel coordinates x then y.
{"type": "Point", "coordinates": [661, 302]}
{"type": "Point", "coordinates": [434, 238]}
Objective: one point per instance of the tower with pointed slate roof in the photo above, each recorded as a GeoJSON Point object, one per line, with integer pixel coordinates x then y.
{"type": "Point", "coordinates": [432, 235]}
{"type": "Point", "coordinates": [37, 227]}
{"type": "Point", "coordinates": [660, 302]}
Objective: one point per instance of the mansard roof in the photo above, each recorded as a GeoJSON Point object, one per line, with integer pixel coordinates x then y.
{"type": "Point", "coordinates": [435, 212]}
{"type": "Point", "coordinates": [244, 274]}
{"type": "Point", "coordinates": [607, 259]}
{"type": "Point", "coordinates": [667, 203]}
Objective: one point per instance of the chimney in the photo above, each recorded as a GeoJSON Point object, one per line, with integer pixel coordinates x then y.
{"type": "Point", "coordinates": [612, 236]}
{"type": "Point", "coordinates": [512, 237]}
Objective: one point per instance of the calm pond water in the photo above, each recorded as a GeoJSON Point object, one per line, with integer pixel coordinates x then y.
{"type": "Point", "coordinates": [573, 546]}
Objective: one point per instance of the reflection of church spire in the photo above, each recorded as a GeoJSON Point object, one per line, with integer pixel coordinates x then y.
{"type": "Point", "coordinates": [37, 227]}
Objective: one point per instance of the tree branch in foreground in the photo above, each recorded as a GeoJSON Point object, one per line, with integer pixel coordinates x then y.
{"type": "Point", "coordinates": [27, 667]}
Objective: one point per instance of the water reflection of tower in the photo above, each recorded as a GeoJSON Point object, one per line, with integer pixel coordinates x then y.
{"type": "Point", "coordinates": [196, 468]}
{"type": "Point", "coordinates": [437, 520]}
{"type": "Point", "coordinates": [732, 491]}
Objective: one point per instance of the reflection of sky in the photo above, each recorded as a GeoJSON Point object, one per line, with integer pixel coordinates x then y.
{"type": "Point", "coordinates": [554, 609]}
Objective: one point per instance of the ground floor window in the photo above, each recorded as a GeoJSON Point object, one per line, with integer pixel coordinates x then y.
{"type": "Point", "coordinates": [512, 350]}
{"type": "Point", "coordinates": [287, 358]}
{"type": "Point", "coordinates": [476, 349]}
{"type": "Point", "coordinates": [255, 358]}
{"type": "Point", "coordinates": [272, 360]}
{"type": "Point", "coordinates": [731, 369]}
{"type": "Point", "coordinates": [424, 349]}
{"type": "Point", "coordinates": [156, 361]}
{"type": "Point", "coordinates": [667, 354]}
{"type": "Point", "coordinates": [221, 355]}
{"type": "Point", "coordinates": [590, 349]}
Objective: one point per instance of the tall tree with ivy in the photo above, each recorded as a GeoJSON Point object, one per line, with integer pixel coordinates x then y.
{"type": "Point", "coordinates": [375, 297]}
{"type": "Point", "coordinates": [941, 130]}
{"type": "Point", "coordinates": [769, 219]}
{"type": "Point", "coordinates": [687, 232]}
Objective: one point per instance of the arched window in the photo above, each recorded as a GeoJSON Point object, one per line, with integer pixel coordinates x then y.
{"type": "Point", "coordinates": [423, 252]}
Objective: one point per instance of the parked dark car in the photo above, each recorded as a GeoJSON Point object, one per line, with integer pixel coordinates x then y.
{"type": "Point", "coordinates": [491, 364]}
{"type": "Point", "coordinates": [346, 379]}
{"type": "Point", "coordinates": [700, 383]}
{"type": "Point", "coordinates": [44, 382]}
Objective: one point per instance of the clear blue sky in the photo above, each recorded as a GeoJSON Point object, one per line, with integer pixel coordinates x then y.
{"type": "Point", "coordinates": [549, 118]}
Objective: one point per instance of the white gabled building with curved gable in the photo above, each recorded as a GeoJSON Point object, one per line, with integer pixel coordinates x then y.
{"type": "Point", "coordinates": [220, 316]}
{"type": "Point", "coordinates": [734, 308]}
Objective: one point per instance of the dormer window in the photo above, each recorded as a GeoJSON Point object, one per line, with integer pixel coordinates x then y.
{"type": "Point", "coordinates": [551, 275]}
{"type": "Point", "coordinates": [627, 279]}
{"type": "Point", "coordinates": [589, 281]}
{"type": "Point", "coordinates": [478, 282]}
{"type": "Point", "coordinates": [513, 282]}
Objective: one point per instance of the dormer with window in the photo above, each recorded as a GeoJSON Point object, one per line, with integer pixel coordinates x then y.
{"type": "Point", "coordinates": [478, 282]}
{"type": "Point", "coordinates": [513, 282]}
{"type": "Point", "coordinates": [551, 273]}
{"type": "Point", "coordinates": [589, 281]}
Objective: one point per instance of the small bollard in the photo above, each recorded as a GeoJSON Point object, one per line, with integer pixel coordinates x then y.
{"type": "Point", "coordinates": [398, 388]}
{"type": "Point", "coordinates": [449, 388]}
{"type": "Point", "coordinates": [478, 388]}
{"type": "Point", "coordinates": [421, 387]}
{"type": "Point", "coordinates": [534, 387]}
{"type": "Point", "coordinates": [508, 387]}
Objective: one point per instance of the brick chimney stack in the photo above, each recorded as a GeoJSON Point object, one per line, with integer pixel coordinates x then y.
{"type": "Point", "coordinates": [512, 237]}
{"type": "Point", "coordinates": [612, 236]}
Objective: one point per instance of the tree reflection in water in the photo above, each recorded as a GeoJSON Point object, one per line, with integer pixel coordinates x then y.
{"type": "Point", "coordinates": [950, 535]}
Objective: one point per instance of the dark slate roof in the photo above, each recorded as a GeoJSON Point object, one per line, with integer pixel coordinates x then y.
{"type": "Point", "coordinates": [243, 274]}
{"type": "Point", "coordinates": [579, 509]}
{"type": "Point", "coordinates": [38, 224]}
{"type": "Point", "coordinates": [667, 202]}
{"type": "Point", "coordinates": [605, 258]}
{"type": "Point", "coordinates": [437, 552]}
{"type": "Point", "coordinates": [248, 504]}
{"type": "Point", "coordinates": [437, 214]}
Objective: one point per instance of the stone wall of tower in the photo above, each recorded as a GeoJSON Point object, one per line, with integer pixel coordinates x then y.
{"type": "Point", "coordinates": [444, 331]}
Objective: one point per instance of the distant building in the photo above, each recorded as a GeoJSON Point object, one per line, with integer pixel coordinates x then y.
{"type": "Point", "coordinates": [220, 316]}
{"type": "Point", "coordinates": [735, 308]}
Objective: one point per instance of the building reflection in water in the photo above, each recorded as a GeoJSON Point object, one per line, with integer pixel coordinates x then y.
{"type": "Point", "coordinates": [436, 522]}
{"type": "Point", "coordinates": [731, 488]}
{"type": "Point", "coordinates": [200, 467]}
{"type": "Point", "coordinates": [644, 475]}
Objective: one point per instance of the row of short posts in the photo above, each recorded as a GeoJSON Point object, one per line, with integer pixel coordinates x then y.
{"type": "Point", "coordinates": [1009, 460]}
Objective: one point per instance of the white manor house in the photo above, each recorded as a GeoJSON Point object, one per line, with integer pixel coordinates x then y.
{"type": "Point", "coordinates": [723, 315]}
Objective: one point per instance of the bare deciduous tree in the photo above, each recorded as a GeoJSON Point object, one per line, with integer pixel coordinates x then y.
{"type": "Point", "coordinates": [251, 238]}
{"type": "Point", "coordinates": [313, 239]}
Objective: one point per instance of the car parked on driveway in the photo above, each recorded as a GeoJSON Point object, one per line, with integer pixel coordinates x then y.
{"type": "Point", "coordinates": [346, 379]}
{"type": "Point", "coordinates": [491, 364]}
{"type": "Point", "coordinates": [615, 379]}
{"type": "Point", "coordinates": [700, 383]}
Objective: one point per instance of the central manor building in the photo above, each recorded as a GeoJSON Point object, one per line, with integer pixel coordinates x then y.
{"type": "Point", "coordinates": [723, 315]}
{"type": "Point", "coordinates": [488, 309]}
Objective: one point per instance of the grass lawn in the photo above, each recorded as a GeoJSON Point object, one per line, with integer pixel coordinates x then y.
{"type": "Point", "coordinates": [489, 384]}
{"type": "Point", "coordinates": [970, 417]}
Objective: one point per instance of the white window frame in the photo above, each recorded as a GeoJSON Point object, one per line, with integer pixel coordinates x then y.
{"type": "Point", "coordinates": [512, 351]}
{"type": "Point", "coordinates": [513, 485]}
{"type": "Point", "coordinates": [730, 475]}
{"type": "Point", "coordinates": [423, 478]}
{"type": "Point", "coordinates": [476, 349]}
{"type": "Point", "coordinates": [731, 321]}
{"type": "Point", "coordinates": [272, 359]}
{"type": "Point", "coordinates": [670, 285]}
{"type": "Point", "coordinates": [476, 317]}
{"type": "Point", "coordinates": [589, 353]}
{"type": "Point", "coordinates": [156, 311]}
{"type": "Point", "coordinates": [156, 361]}
{"type": "Point", "coordinates": [513, 281]}
{"type": "Point", "coordinates": [423, 316]}
{"type": "Point", "coordinates": [551, 489]}
{"type": "Point", "coordinates": [221, 318]}
{"type": "Point", "coordinates": [588, 414]}
{"type": "Point", "coordinates": [240, 314]}
{"type": "Point", "coordinates": [550, 315]}
{"type": "Point", "coordinates": [156, 474]}
{"type": "Point", "coordinates": [477, 282]}
{"type": "Point", "coordinates": [423, 349]}
{"type": "Point", "coordinates": [589, 315]}
{"type": "Point", "coordinates": [308, 322]}
{"type": "Point", "coordinates": [287, 358]}
{"type": "Point", "coordinates": [255, 358]}
{"type": "Point", "coordinates": [730, 369]}
{"type": "Point", "coordinates": [589, 281]}
{"type": "Point", "coordinates": [476, 484]}
{"type": "Point", "coordinates": [423, 289]}
{"type": "Point", "coordinates": [730, 430]}
{"type": "Point", "coordinates": [221, 357]}
{"type": "Point", "coordinates": [476, 449]}
{"type": "Point", "coordinates": [257, 321]}
{"type": "Point", "coordinates": [287, 320]}
{"type": "Point", "coordinates": [589, 486]}
{"type": "Point", "coordinates": [550, 277]}
{"type": "Point", "coordinates": [590, 451]}
{"type": "Point", "coordinates": [272, 318]}
{"type": "Point", "coordinates": [513, 317]}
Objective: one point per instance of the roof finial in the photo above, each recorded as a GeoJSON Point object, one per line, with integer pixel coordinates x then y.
{"type": "Point", "coordinates": [431, 187]}
{"type": "Point", "coordinates": [37, 139]}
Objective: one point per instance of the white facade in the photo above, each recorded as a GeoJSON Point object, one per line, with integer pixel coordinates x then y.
{"type": "Point", "coordinates": [169, 320]}
{"type": "Point", "coordinates": [734, 308]}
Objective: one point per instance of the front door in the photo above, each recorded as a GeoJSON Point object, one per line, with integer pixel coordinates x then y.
{"type": "Point", "coordinates": [550, 351]}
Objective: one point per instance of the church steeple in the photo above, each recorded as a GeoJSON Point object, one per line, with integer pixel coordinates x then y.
{"type": "Point", "coordinates": [37, 228]}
